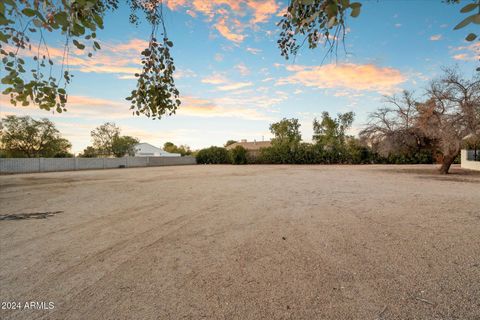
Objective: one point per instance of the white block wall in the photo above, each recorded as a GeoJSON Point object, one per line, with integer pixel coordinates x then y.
{"type": "Point", "coordinates": [26, 165]}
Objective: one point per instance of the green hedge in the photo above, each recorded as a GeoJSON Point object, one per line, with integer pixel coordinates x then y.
{"type": "Point", "coordinates": [213, 155]}
{"type": "Point", "coordinates": [352, 152]}
{"type": "Point", "coordinates": [238, 155]}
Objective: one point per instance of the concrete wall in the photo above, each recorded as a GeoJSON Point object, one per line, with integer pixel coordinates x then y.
{"type": "Point", "coordinates": [467, 161]}
{"type": "Point", "coordinates": [25, 165]}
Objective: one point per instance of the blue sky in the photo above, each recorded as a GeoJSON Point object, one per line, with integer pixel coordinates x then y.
{"type": "Point", "coordinates": [233, 81]}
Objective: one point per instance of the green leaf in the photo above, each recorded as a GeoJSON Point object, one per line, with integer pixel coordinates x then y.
{"type": "Point", "coordinates": [98, 20]}
{"type": "Point", "coordinates": [78, 45]}
{"type": "Point", "coordinates": [471, 37]}
{"type": "Point", "coordinates": [61, 18]}
{"type": "Point", "coordinates": [29, 12]}
{"type": "Point", "coordinates": [169, 43]}
{"type": "Point", "coordinates": [96, 45]}
{"type": "Point", "coordinates": [469, 7]}
{"type": "Point", "coordinates": [355, 12]}
{"type": "Point", "coordinates": [355, 5]}
{"type": "Point", "coordinates": [464, 22]}
{"type": "Point", "coordinates": [3, 37]}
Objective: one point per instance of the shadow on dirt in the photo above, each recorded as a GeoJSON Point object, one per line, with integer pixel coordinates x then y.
{"type": "Point", "coordinates": [28, 216]}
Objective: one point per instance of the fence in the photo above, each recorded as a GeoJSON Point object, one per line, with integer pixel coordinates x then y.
{"type": "Point", "coordinates": [28, 165]}
{"type": "Point", "coordinates": [468, 161]}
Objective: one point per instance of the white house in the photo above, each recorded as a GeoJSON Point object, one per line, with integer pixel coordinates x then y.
{"type": "Point", "coordinates": [147, 150]}
{"type": "Point", "coordinates": [470, 159]}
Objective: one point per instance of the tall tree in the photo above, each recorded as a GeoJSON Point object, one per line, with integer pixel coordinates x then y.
{"type": "Point", "coordinates": [331, 132]}
{"type": "Point", "coordinates": [27, 137]}
{"type": "Point", "coordinates": [393, 129]}
{"type": "Point", "coordinates": [286, 131]}
{"type": "Point", "coordinates": [286, 141]}
{"type": "Point", "coordinates": [104, 136]}
{"type": "Point", "coordinates": [451, 113]}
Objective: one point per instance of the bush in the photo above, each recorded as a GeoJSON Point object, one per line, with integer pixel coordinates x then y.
{"type": "Point", "coordinates": [212, 155]}
{"type": "Point", "coordinates": [238, 155]}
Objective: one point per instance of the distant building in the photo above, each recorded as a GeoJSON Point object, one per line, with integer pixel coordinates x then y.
{"type": "Point", "coordinates": [147, 150]}
{"type": "Point", "coordinates": [253, 147]}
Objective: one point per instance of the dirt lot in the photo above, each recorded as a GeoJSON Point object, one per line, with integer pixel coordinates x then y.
{"type": "Point", "coordinates": [242, 242]}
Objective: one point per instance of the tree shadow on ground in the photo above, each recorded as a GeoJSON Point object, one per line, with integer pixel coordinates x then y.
{"type": "Point", "coordinates": [28, 216]}
{"type": "Point", "coordinates": [455, 174]}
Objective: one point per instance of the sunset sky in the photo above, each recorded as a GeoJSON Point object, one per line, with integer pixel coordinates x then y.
{"type": "Point", "coordinates": [233, 81]}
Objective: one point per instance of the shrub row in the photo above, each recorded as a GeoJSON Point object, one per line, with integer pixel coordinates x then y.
{"type": "Point", "coordinates": [306, 153]}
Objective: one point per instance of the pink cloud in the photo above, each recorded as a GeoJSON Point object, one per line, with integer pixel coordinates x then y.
{"type": "Point", "coordinates": [468, 53]}
{"type": "Point", "coordinates": [346, 76]}
{"type": "Point", "coordinates": [225, 14]}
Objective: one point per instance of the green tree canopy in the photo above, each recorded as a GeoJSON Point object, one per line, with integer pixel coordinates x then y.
{"type": "Point", "coordinates": [184, 150]}
{"type": "Point", "coordinates": [27, 137]}
{"type": "Point", "coordinates": [89, 152]}
{"type": "Point", "coordinates": [229, 142]}
{"type": "Point", "coordinates": [331, 132]}
{"type": "Point", "coordinates": [103, 137]}
{"type": "Point", "coordinates": [124, 145]}
{"type": "Point", "coordinates": [108, 141]}
{"type": "Point", "coordinates": [286, 132]}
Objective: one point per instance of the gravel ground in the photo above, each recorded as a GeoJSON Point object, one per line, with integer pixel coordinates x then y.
{"type": "Point", "coordinates": [242, 242]}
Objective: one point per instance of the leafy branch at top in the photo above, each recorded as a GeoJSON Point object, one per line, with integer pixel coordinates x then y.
{"type": "Point", "coordinates": [325, 22]}
{"type": "Point", "coordinates": [29, 67]}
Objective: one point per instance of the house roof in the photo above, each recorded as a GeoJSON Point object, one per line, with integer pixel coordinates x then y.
{"type": "Point", "coordinates": [148, 144]}
{"type": "Point", "coordinates": [159, 150]}
{"type": "Point", "coordinates": [253, 145]}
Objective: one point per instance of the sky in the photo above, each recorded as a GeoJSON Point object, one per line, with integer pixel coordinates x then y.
{"type": "Point", "coordinates": [233, 81]}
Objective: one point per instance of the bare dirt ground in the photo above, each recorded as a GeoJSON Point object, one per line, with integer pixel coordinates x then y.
{"type": "Point", "coordinates": [242, 242]}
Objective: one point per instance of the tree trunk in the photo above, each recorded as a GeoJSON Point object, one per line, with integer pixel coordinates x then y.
{"type": "Point", "coordinates": [447, 162]}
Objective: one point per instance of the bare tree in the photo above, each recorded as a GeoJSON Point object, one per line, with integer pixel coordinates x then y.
{"type": "Point", "coordinates": [451, 113]}
{"type": "Point", "coordinates": [392, 129]}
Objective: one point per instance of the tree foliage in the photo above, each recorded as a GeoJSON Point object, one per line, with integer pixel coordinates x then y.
{"type": "Point", "coordinates": [331, 132]}
{"type": "Point", "coordinates": [213, 155]}
{"type": "Point", "coordinates": [107, 141]}
{"type": "Point", "coordinates": [30, 77]}
{"type": "Point", "coordinates": [103, 137]}
{"type": "Point", "coordinates": [450, 113]}
{"type": "Point", "coordinates": [286, 132]}
{"type": "Point", "coordinates": [23, 27]}
{"type": "Point", "coordinates": [325, 22]}
{"type": "Point", "coordinates": [238, 155]}
{"type": "Point", "coordinates": [124, 146]}
{"type": "Point", "coordinates": [229, 142]}
{"type": "Point", "coordinates": [184, 150]}
{"type": "Point", "coordinates": [392, 131]}
{"type": "Point", "coordinates": [89, 152]}
{"type": "Point", "coordinates": [27, 137]}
